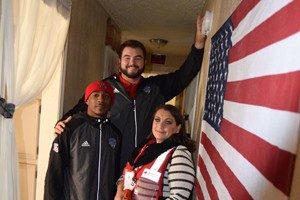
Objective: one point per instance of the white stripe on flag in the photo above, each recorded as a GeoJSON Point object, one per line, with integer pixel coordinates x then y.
{"type": "Point", "coordinates": [256, 16]}
{"type": "Point", "coordinates": [202, 185]}
{"type": "Point", "coordinates": [214, 176]}
{"type": "Point", "coordinates": [254, 182]}
{"type": "Point", "coordinates": [260, 64]}
{"type": "Point", "coordinates": [269, 124]}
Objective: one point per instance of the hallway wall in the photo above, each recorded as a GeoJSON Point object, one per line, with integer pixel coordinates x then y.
{"type": "Point", "coordinates": [86, 41]}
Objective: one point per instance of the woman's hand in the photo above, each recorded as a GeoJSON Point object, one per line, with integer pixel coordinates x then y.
{"type": "Point", "coordinates": [119, 194]}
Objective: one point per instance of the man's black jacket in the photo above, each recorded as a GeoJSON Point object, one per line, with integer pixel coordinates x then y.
{"type": "Point", "coordinates": [84, 161]}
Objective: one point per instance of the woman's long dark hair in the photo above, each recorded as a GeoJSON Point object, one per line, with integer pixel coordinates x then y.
{"type": "Point", "coordinates": [181, 137]}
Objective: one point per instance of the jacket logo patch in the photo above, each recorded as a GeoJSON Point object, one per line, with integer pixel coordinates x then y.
{"type": "Point", "coordinates": [55, 147]}
{"type": "Point", "coordinates": [112, 142]}
{"type": "Point", "coordinates": [85, 144]}
{"type": "Point", "coordinates": [147, 89]}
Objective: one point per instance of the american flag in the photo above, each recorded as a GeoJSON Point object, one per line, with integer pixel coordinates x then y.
{"type": "Point", "coordinates": [250, 127]}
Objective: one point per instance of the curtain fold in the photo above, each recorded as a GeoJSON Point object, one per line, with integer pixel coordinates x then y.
{"type": "Point", "coordinates": [110, 61]}
{"type": "Point", "coordinates": [33, 34]}
{"type": "Point", "coordinates": [62, 6]}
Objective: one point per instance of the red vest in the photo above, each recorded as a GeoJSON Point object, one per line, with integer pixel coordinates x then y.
{"type": "Point", "coordinates": [149, 177]}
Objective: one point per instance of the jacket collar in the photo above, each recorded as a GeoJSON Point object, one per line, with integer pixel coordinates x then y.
{"type": "Point", "coordinates": [92, 120]}
{"type": "Point", "coordinates": [120, 87]}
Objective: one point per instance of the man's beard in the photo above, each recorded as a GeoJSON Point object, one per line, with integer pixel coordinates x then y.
{"type": "Point", "coordinates": [135, 75]}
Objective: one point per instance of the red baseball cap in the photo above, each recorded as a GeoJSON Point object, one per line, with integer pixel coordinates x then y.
{"type": "Point", "coordinates": [99, 86]}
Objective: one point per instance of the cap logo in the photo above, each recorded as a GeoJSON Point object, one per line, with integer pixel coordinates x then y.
{"type": "Point", "coordinates": [102, 85]}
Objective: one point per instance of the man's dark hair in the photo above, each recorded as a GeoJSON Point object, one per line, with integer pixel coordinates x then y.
{"type": "Point", "coordinates": [132, 44]}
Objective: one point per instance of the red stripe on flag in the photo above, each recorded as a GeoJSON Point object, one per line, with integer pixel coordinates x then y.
{"type": "Point", "coordinates": [280, 91]}
{"type": "Point", "coordinates": [198, 190]}
{"type": "Point", "coordinates": [261, 154]}
{"type": "Point", "coordinates": [210, 187]}
{"type": "Point", "coordinates": [233, 185]}
{"type": "Point", "coordinates": [277, 27]}
{"type": "Point", "coordinates": [242, 10]}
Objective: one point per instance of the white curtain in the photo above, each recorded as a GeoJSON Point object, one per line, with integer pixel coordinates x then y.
{"type": "Point", "coordinates": [110, 61]}
{"type": "Point", "coordinates": [32, 39]}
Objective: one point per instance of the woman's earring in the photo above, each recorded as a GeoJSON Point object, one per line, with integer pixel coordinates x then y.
{"type": "Point", "coordinates": [178, 128]}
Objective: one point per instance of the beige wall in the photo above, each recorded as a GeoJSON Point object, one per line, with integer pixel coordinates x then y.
{"type": "Point", "coordinates": [86, 43]}
{"type": "Point", "coordinates": [50, 108]}
{"type": "Point", "coordinates": [173, 62]}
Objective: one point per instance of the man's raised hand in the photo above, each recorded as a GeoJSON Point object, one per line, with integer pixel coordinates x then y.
{"type": "Point", "coordinates": [60, 126]}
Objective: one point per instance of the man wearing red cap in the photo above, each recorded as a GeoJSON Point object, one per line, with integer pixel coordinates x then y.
{"type": "Point", "coordinates": [85, 160]}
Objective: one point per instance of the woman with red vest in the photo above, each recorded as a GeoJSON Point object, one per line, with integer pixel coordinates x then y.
{"type": "Point", "coordinates": [162, 167]}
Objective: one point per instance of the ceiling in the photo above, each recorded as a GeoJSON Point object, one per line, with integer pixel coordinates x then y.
{"type": "Point", "coordinates": [172, 20]}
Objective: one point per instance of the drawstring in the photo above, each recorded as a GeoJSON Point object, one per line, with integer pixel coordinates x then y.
{"type": "Point", "coordinates": [6, 109]}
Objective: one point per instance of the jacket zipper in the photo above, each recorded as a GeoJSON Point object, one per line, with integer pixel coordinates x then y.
{"type": "Point", "coordinates": [99, 161]}
{"type": "Point", "coordinates": [135, 123]}
{"type": "Point", "coordinates": [134, 113]}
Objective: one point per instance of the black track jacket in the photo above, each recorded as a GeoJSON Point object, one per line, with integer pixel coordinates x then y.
{"type": "Point", "coordinates": [84, 161]}
{"type": "Point", "coordinates": [133, 117]}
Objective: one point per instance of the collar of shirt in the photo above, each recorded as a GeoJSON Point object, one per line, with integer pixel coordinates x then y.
{"type": "Point", "coordinates": [130, 88]}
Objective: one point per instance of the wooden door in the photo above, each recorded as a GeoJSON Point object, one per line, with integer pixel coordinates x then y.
{"type": "Point", "coordinates": [26, 121]}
